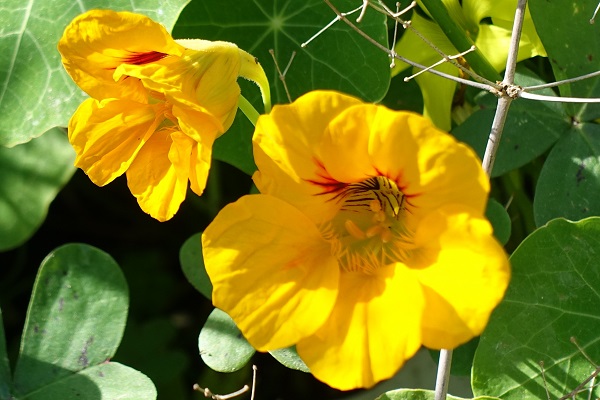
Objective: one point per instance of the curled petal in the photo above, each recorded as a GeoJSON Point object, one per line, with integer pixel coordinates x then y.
{"type": "Point", "coordinates": [201, 80]}
{"type": "Point", "coordinates": [107, 135]}
{"type": "Point", "coordinates": [159, 174]}
{"type": "Point", "coordinates": [271, 271]}
{"type": "Point", "coordinates": [374, 328]}
{"type": "Point", "coordinates": [464, 273]}
{"type": "Point", "coordinates": [98, 41]}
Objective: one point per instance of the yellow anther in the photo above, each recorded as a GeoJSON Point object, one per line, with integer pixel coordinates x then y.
{"type": "Point", "coordinates": [375, 206]}
{"type": "Point", "coordinates": [354, 230]}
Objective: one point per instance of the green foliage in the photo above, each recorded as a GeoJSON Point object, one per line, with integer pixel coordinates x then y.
{"type": "Point", "coordinates": [552, 297]}
{"type": "Point", "coordinates": [31, 175]}
{"type": "Point", "coordinates": [499, 219]}
{"type": "Point", "coordinates": [192, 264]}
{"type": "Point", "coordinates": [573, 50]}
{"type": "Point", "coordinates": [221, 344]}
{"type": "Point", "coordinates": [36, 94]}
{"type": "Point", "coordinates": [531, 127]}
{"type": "Point", "coordinates": [547, 167]}
{"type": "Point", "coordinates": [74, 324]}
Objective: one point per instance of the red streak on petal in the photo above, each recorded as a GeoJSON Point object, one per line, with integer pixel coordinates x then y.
{"type": "Point", "coordinates": [144, 58]}
{"type": "Point", "coordinates": [326, 182]}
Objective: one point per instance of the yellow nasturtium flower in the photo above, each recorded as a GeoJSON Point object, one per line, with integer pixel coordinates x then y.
{"type": "Point", "coordinates": [368, 240]}
{"type": "Point", "coordinates": [488, 23]}
{"type": "Point", "coordinates": [156, 105]}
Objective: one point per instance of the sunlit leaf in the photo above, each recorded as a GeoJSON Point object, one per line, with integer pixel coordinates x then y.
{"type": "Point", "coordinates": [569, 184]}
{"type": "Point", "coordinates": [553, 296]}
{"type": "Point", "coordinates": [36, 94]}
{"type": "Point", "coordinates": [31, 175]}
{"type": "Point", "coordinates": [290, 358]}
{"type": "Point", "coordinates": [573, 47]}
{"type": "Point", "coordinates": [222, 346]}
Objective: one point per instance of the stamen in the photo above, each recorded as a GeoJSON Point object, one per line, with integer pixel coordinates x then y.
{"type": "Point", "coordinates": [354, 230]}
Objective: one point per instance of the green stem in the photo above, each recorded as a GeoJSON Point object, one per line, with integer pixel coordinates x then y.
{"type": "Point", "coordinates": [458, 37]}
{"type": "Point", "coordinates": [248, 110]}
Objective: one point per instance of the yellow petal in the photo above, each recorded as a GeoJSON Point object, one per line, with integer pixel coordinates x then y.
{"type": "Point", "coordinates": [107, 135]}
{"type": "Point", "coordinates": [98, 41]}
{"type": "Point", "coordinates": [285, 143]}
{"type": "Point", "coordinates": [204, 80]}
{"type": "Point", "coordinates": [428, 165]}
{"type": "Point", "coordinates": [374, 328]}
{"type": "Point", "coordinates": [200, 128]}
{"type": "Point", "coordinates": [271, 271]}
{"type": "Point", "coordinates": [464, 273]}
{"type": "Point", "coordinates": [155, 181]}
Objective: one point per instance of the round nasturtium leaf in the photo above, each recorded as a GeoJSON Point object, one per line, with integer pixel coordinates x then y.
{"type": "Point", "coordinates": [192, 264]}
{"type": "Point", "coordinates": [222, 346]}
{"type": "Point", "coordinates": [31, 175]}
{"type": "Point", "coordinates": [569, 184]}
{"type": "Point", "coordinates": [74, 324]}
{"type": "Point", "coordinates": [290, 358]}
{"type": "Point", "coordinates": [553, 297]}
{"type": "Point", "coordinates": [499, 219]}
{"type": "Point", "coordinates": [573, 47]}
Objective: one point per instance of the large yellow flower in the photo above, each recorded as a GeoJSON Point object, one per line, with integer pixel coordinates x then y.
{"type": "Point", "coordinates": [367, 240]}
{"type": "Point", "coordinates": [156, 105]}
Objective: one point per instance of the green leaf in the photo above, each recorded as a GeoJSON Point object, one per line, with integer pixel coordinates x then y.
{"type": "Point", "coordinates": [338, 59]}
{"type": "Point", "coordinates": [75, 319]}
{"type": "Point", "coordinates": [5, 376]}
{"type": "Point", "coordinates": [569, 183]}
{"type": "Point", "coordinates": [31, 175]}
{"type": "Point", "coordinates": [499, 219]}
{"type": "Point", "coordinates": [290, 358]}
{"type": "Point", "coordinates": [36, 94]}
{"type": "Point", "coordinates": [192, 264]}
{"type": "Point", "coordinates": [104, 381]}
{"type": "Point", "coordinates": [553, 296]}
{"type": "Point", "coordinates": [420, 394]}
{"type": "Point", "coordinates": [531, 128]}
{"type": "Point", "coordinates": [573, 47]}
{"type": "Point", "coordinates": [222, 346]}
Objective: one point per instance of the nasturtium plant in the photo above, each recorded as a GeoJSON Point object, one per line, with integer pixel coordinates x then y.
{"type": "Point", "coordinates": [528, 346]}
{"type": "Point", "coordinates": [341, 231]}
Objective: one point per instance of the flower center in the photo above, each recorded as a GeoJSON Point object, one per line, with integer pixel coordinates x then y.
{"type": "Point", "coordinates": [369, 230]}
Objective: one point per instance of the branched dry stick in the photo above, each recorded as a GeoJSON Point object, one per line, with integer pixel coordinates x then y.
{"type": "Point", "coordinates": [282, 74]}
{"type": "Point", "coordinates": [207, 393]}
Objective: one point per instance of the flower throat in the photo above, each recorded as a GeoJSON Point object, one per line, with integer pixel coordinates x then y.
{"type": "Point", "coordinates": [368, 231]}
